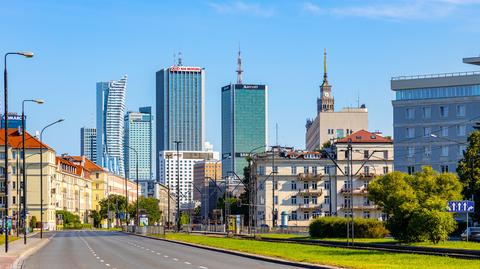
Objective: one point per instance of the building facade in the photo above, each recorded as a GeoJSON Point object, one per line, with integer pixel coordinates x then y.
{"type": "Point", "coordinates": [169, 169]}
{"type": "Point", "coordinates": [432, 118]}
{"type": "Point", "coordinates": [329, 124]}
{"type": "Point", "coordinates": [139, 136]}
{"type": "Point", "coordinates": [207, 181]}
{"type": "Point", "coordinates": [180, 109]}
{"type": "Point", "coordinates": [299, 186]}
{"type": "Point", "coordinates": [110, 124]}
{"type": "Point", "coordinates": [244, 125]}
{"type": "Point", "coordinates": [88, 143]}
{"type": "Point", "coordinates": [152, 188]}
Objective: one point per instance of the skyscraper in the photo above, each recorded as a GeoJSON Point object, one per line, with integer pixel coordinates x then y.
{"type": "Point", "coordinates": [110, 128]}
{"type": "Point", "coordinates": [138, 135]}
{"type": "Point", "coordinates": [180, 109]}
{"type": "Point", "coordinates": [88, 143]}
{"type": "Point", "coordinates": [244, 122]}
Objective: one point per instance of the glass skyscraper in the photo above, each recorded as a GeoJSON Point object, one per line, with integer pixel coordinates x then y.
{"type": "Point", "coordinates": [110, 128]}
{"type": "Point", "coordinates": [244, 124]}
{"type": "Point", "coordinates": [180, 109]}
{"type": "Point", "coordinates": [88, 143]}
{"type": "Point", "coordinates": [138, 135]}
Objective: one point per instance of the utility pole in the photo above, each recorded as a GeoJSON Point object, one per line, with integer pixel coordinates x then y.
{"type": "Point", "coordinates": [350, 174]}
{"type": "Point", "coordinates": [273, 187]}
{"type": "Point", "coordinates": [177, 144]}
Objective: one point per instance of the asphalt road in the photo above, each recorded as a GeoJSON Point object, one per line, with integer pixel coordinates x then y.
{"type": "Point", "coordinates": [92, 249]}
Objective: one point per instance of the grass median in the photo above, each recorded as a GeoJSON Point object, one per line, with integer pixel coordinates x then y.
{"type": "Point", "coordinates": [446, 244]}
{"type": "Point", "coordinates": [362, 259]}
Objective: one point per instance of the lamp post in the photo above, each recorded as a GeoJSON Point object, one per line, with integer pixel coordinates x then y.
{"type": "Point", "coordinates": [24, 213]}
{"type": "Point", "coordinates": [41, 174]}
{"type": "Point", "coordinates": [5, 92]}
{"type": "Point", "coordinates": [136, 209]}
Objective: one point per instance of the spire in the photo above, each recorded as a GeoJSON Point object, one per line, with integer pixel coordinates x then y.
{"type": "Point", "coordinates": [239, 68]}
{"type": "Point", "coordinates": [325, 76]}
{"type": "Point", "coordinates": [180, 59]}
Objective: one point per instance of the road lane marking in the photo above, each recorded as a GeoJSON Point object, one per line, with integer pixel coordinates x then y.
{"type": "Point", "coordinates": [203, 267]}
{"type": "Point", "coordinates": [107, 264]}
{"type": "Point", "coordinates": [175, 259]}
{"type": "Point", "coordinates": [165, 256]}
{"type": "Point", "coordinates": [187, 263]}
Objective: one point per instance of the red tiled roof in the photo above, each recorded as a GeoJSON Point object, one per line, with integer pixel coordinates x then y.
{"type": "Point", "coordinates": [61, 160]}
{"type": "Point", "coordinates": [15, 140]}
{"type": "Point", "coordinates": [91, 166]}
{"type": "Point", "coordinates": [363, 136]}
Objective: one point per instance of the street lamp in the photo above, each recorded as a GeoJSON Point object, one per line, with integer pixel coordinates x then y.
{"type": "Point", "coordinates": [24, 214]}
{"type": "Point", "coordinates": [126, 194]}
{"type": "Point", "coordinates": [41, 174]}
{"type": "Point", "coordinates": [5, 92]}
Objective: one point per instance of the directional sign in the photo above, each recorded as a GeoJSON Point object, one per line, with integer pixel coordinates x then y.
{"type": "Point", "coordinates": [461, 206]}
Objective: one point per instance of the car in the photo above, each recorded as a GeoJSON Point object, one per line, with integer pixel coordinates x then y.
{"type": "Point", "coordinates": [473, 234]}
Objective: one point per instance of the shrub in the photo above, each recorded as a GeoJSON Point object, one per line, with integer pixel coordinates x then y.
{"type": "Point", "coordinates": [33, 222]}
{"type": "Point", "coordinates": [329, 227]}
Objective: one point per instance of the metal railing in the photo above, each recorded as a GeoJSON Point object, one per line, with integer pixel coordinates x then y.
{"type": "Point", "coordinates": [441, 75]}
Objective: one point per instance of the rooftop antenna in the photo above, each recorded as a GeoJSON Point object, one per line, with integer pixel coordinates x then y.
{"type": "Point", "coordinates": [276, 134]}
{"type": "Point", "coordinates": [358, 99]}
{"type": "Point", "coordinates": [174, 59]}
{"type": "Point", "coordinates": [239, 66]}
{"type": "Point", "coordinates": [180, 59]}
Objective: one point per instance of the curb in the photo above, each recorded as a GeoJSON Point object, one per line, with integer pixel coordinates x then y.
{"type": "Point", "coordinates": [243, 254]}
{"type": "Point", "coordinates": [18, 263]}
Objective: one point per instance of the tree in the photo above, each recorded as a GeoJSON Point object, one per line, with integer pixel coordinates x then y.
{"type": "Point", "coordinates": [97, 218]}
{"type": "Point", "coordinates": [70, 220]}
{"type": "Point", "coordinates": [114, 202]}
{"type": "Point", "coordinates": [148, 206]}
{"type": "Point", "coordinates": [184, 218]}
{"type": "Point", "coordinates": [416, 204]}
{"type": "Point", "coordinates": [468, 170]}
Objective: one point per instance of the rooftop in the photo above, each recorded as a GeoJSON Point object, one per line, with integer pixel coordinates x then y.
{"type": "Point", "coordinates": [472, 60]}
{"type": "Point", "coordinates": [364, 136]}
{"type": "Point", "coordinates": [442, 75]}
{"type": "Point", "coordinates": [15, 140]}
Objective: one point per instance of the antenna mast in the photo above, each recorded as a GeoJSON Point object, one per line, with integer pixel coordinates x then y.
{"type": "Point", "coordinates": [180, 59]}
{"type": "Point", "coordinates": [239, 67]}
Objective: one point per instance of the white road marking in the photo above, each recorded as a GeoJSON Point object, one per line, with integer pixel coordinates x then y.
{"type": "Point", "coordinates": [158, 253]}
{"type": "Point", "coordinates": [175, 259]}
{"type": "Point", "coordinates": [101, 260]}
{"type": "Point", "coordinates": [107, 264]}
{"type": "Point", "coordinates": [187, 263]}
{"type": "Point", "coordinates": [98, 258]}
{"type": "Point", "coordinates": [203, 267]}
{"type": "Point", "coordinates": [165, 256]}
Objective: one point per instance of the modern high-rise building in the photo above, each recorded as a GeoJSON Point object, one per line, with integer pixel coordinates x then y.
{"type": "Point", "coordinates": [110, 124]}
{"type": "Point", "coordinates": [329, 124]}
{"type": "Point", "coordinates": [432, 118]}
{"type": "Point", "coordinates": [88, 143]}
{"type": "Point", "coordinates": [180, 109]}
{"type": "Point", "coordinates": [139, 136]}
{"type": "Point", "coordinates": [244, 123]}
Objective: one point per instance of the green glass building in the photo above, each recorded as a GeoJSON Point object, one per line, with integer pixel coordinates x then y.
{"type": "Point", "coordinates": [244, 125]}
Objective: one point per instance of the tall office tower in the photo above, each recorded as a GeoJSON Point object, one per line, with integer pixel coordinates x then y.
{"type": "Point", "coordinates": [432, 118]}
{"type": "Point", "coordinates": [138, 135]}
{"type": "Point", "coordinates": [329, 124]}
{"type": "Point", "coordinates": [88, 143]}
{"type": "Point", "coordinates": [180, 109]}
{"type": "Point", "coordinates": [110, 128]}
{"type": "Point", "coordinates": [244, 123]}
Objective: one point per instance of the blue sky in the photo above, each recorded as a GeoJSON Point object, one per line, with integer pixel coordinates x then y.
{"type": "Point", "coordinates": [78, 43]}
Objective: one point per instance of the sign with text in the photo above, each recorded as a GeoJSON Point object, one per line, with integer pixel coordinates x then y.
{"type": "Point", "coordinates": [461, 206]}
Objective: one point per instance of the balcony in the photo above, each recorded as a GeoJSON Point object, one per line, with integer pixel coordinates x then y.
{"type": "Point", "coordinates": [310, 206]}
{"type": "Point", "coordinates": [360, 190]}
{"type": "Point", "coordinates": [364, 206]}
{"type": "Point", "coordinates": [346, 190]}
{"type": "Point", "coordinates": [309, 176]}
{"type": "Point", "coordinates": [367, 175]}
{"type": "Point", "coordinates": [306, 192]}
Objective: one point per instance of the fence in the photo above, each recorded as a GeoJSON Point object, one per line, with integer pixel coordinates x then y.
{"type": "Point", "coordinates": [145, 230]}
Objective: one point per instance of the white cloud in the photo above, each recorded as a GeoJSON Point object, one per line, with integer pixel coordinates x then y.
{"type": "Point", "coordinates": [241, 7]}
{"type": "Point", "coordinates": [399, 10]}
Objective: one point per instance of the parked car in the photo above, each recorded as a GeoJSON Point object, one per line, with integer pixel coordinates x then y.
{"type": "Point", "coordinates": [473, 234]}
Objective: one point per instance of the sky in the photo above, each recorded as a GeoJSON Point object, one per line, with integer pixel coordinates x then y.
{"type": "Point", "coordinates": [79, 43]}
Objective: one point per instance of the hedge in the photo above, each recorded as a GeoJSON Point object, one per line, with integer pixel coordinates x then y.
{"type": "Point", "coordinates": [334, 227]}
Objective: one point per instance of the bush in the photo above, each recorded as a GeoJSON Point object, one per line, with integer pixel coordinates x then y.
{"type": "Point", "coordinates": [86, 226]}
{"type": "Point", "coordinates": [33, 222]}
{"type": "Point", "coordinates": [331, 227]}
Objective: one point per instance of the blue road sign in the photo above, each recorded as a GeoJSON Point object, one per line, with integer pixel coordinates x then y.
{"type": "Point", "coordinates": [461, 206]}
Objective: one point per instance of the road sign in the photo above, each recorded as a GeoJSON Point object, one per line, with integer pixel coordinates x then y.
{"type": "Point", "coordinates": [461, 206]}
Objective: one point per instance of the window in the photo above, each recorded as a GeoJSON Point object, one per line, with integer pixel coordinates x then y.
{"type": "Point", "coordinates": [366, 169]}
{"type": "Point", "coordinates": [314, 170]}
{"type": "Point", "coordinates": [444, 168]}
{"type": "Point", "coordinates": [314, 200]}
{"type": "Point", "coordinates": [294, 215]}
{"type": "Point", "coordinates": [460, 110]}
{"type": "Point", "coordinates": [461, 130]}
{"type": "Point", "coordinates": [443, 111]}
{"type": "Point", "coordinates": [293, 185]}
{"type": "Point", "coordinates": [409, 132]}
{"type": "Point", "coordinates": [261, 170]}
{"type": "Point", "coordinates": [315, 214]}
{"type": "Point", "coordinates": [426, 112]}
{"type": "Point", "coordinates": [294, 170]}
{"type": "Point", "coordinates": [306, 215]}
{"type": "Point", "coordinates": [275, 169]}
{"type": "Point", "coordinates": [275, 199]}
{"type": "Point", "coordinates": [326, 170]}
{"type": "Point", "coordinates": [366, 214]}
{"type": "Point", "coordinates": [410, 169]}
{"type": "Point", "coordinates": [14, 199]}
{"type": "Point", "coordinates": [276, 185]}
{"type": "Point", "coordinates": [314, 185]}
{"type": "Point", "coordinates": [444, 152]}
{"type": "Point", "coordinates": [305, 169]}
{"type": "Point", "coordinates": [410, 113]}
{"type": "Point", "coordinates": [444, 131]}
{"type": "Point", "coordinates": [385, 169]}
{"type": "Point", "coordinates": [410, 152]}
{"type": "Point", "coordinates": [366, 201]}
{"type": "Point", "coordinates": [427, 131]}
{"type": "Point", "coordinates": [327, 184]}
{"type": "Point", "coordinates": [305, 185]}
{"type": "Point", "coordinates": [326, 199]}
{"type": "Point", "coordinates": [306, 200]}
{"type": "Point", "coordinates": [427, 151]}
{"type": "Point", "coordinates": [346, 184]}
{"type": "Point", "coordinates": [365, 154]}
{"type": "Point", "coordinates": [294, 200]}
{"type": "Point", "coordinates": [346, 154]}
{"type": "Point", "coordinates": [385, 154]}
{"type": "Point", "coordinates": [461, 150]}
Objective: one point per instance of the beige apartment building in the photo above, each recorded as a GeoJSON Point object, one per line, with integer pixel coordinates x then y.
{"type": "Point", "coordinates": [299, 186]}
{"type": "Point", "coordinates": [203, 172]}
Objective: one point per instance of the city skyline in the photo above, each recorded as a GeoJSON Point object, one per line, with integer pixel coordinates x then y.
{"type": "Point", "coordinates": [364, 70]}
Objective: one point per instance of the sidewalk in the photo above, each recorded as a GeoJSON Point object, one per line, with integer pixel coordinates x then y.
{"type": "Point", "coordinates": [17, 250]}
